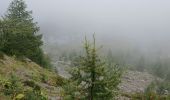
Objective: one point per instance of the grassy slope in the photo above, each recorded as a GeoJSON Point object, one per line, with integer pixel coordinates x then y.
{"type": "Point", "coordinates": [27, 70]}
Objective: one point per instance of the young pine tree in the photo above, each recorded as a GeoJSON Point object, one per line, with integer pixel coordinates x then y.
{"type": "Point", "coordinates": [91, 78]}
{"type": "Point", "coordinates": [20, 33]}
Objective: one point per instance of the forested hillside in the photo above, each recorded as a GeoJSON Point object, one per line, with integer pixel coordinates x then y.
{"type": "Point", "coordinates": [122, 55]}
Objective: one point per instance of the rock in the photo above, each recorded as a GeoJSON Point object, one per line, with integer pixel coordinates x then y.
{"type": "Point", "coordinates": [27, 60]}
{"type": "Point", "coordinates": [134, 81]}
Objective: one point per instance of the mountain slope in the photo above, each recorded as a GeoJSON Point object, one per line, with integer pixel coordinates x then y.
{"type": "Point", "coordinates": [28, 71]}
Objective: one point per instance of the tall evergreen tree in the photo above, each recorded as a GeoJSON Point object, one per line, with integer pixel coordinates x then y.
{"type": "Point", "coordinates": [91, 78]}
{"type": "Point", "coordinates": [20, 33]}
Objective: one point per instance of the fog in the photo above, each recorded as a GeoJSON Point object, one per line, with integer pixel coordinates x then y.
{"type": "Point", "coordinates": [142, 24]}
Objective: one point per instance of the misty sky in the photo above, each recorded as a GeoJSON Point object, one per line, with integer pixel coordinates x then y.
{"type": "Point", "coordinates": [139, 21]}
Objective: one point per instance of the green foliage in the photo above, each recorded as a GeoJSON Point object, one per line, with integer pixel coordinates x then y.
{"type": "Point", "coordinates": [60, 81]}
{"type": "Point", "coordinates": [34, 95]}
{"type": "Point", "coordinates": [155, 91]}
{"type": "Point", "coordinates": [163, 88]}
{"type": "Point", "coordinates": [19, 97]}
{"type": "Point", "coordinates": [150, 92]}
{"type": "Point", "coordinates": [18, 34]}
{"type": "Point", "coordinates": [44, 78]}
{"type": "Point", "coordinates": [137, 96]}
{"type": "Point", "coordinates": [29, 77]}
{"type": "Point", "coordinates": [33, 85]}
{"type": "Point", "coordinates": [91, 78]}
{"type": "Point", "coordinates": [14, 88]}
{"type": "Point", "coordinates": [39, 57]}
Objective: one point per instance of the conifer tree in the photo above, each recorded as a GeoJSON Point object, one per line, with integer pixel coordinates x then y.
{"type": "Point", "coordinates": [20, 33]}
{"type": "Point", "coordinates": [91, 78]}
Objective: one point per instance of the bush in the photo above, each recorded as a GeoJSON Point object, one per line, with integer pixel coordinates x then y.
{"type": "Point", "coordinates": [40, 58]}
{"type": "Point", "coordinates": [13, 86]}
{"type": "Point", "coordinates": [34, 95]}
{"type": "Point", "coordinates": [15, 89]}
{"type": "Point", "coordinates": [150, 92]}
{"type": "Point", "coordinates": [44, 78]}
{"type": "Point", "coordinates": [155, 91]}
{"type": "Point", "coordinates": [163, 88]}
{"type": "Point", "coordinates": [60, 81]}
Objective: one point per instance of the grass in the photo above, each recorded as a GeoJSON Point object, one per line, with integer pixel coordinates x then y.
{"type": "Point", "coordinates": [142, 96]}
{"type": "Point", "coordinates": [29, 71]}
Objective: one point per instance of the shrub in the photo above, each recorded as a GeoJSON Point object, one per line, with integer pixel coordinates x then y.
{"type": "Point", "coordinates": [34, 95]}
{"type": "Point", "coordinates": [150, 92]}
{"type": "Point", "coordinates": [60, 81]}
{"type": "Point", "coordinates": [15, 89]}
{"type": "Point", "coordinates": [44, 78]}
{"type": "Point", "coordinates": [13, 86]}
{"type": "Point", "coordinates": [163, 88]}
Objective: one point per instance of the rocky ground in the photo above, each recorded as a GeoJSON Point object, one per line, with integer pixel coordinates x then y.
{"type": "Point", "coordinates": [132, 81]}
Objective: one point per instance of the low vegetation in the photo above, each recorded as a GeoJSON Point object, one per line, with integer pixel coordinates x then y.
{"type": "Point", "coordinates": [26, 80]}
